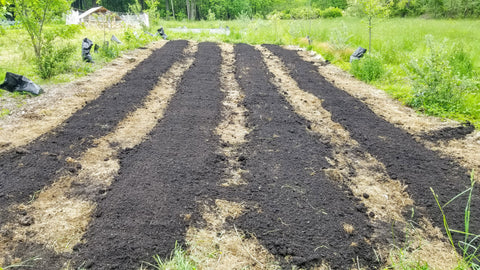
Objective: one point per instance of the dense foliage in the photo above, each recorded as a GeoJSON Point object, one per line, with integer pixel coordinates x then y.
{"type": "Point", "coordinates": [232, 9]}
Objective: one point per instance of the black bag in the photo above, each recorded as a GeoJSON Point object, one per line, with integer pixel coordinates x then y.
{"type": "Point", "coordinates": [86, 47]}
{"type": "Point", "coordinates": [161, 33]}
{"type": "Point", "coordinates": [14, 82]}
{"type": "Point", "coordinates": [357, 54]}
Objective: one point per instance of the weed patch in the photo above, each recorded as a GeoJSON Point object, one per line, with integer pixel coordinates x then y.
{"type": "Point", "coordinates": [470, 245]}
{"type": "Point", "coordinates": [368, 68]}
{"type": "Point", "coordinates": [178, 260]}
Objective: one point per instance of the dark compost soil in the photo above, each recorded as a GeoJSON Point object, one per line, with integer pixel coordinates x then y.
{"type": "Point", "coordinates": [26, 170]}
{"type": "Point", "coordinates": [160, 181]}
{"type": "Point", "coordinates": [302, 212]}
{"type": "Point", "coordinates": [450, 133]}
{"type": "Point", "coordinates": [405, 159]}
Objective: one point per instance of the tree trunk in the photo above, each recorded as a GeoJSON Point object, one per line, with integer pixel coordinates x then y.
{"type": "Point", "coordinates": [191, 9]}
{"type": "Point", "coordinates": [167, 8]}
{"type": "Point", "coordinates": [370, 34]}
{"type": "Point", "coordinates": [194, 10]}
{"type": "Point", "coordinates": [173, 9]}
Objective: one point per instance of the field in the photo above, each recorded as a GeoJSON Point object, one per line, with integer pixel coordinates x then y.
{"type": "Point", "coordinates": [259, 157]}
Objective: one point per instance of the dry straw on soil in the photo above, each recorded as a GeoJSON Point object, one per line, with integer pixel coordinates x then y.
{"type": "Point", "coordinates": [60, 219]}
{"type": "Point", "coordinates": [232, 129]}
{"type": "Point", "coordinates": [215, 247]}
{"type": "Point", "coordinates": [384, 198]}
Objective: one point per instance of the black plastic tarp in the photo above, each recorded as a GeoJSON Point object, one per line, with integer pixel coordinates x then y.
{"type": "Point", "coordinates": [357, 54]}
{"type": "Point", "coordinates": [86, 47]}
{"type": "Point", "coordinates": [14, 82]}
{"type": "Point", "coordinates": [161, 33]}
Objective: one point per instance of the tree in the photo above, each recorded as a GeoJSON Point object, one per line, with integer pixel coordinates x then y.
{"type": "Point", "coordinates": [35, 14]}
{"type": "Point", "coordinates": [4, 9]}
{"type": "Point", "coordinates": [191, 9]}
{"type": "Point", "coordinates": [374, 9]}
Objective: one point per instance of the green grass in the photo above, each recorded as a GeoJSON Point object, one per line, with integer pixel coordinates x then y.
{"type": "Point", "coordinates": [178, 260]}
{"type": "Point", "coordinates": [469, 246]}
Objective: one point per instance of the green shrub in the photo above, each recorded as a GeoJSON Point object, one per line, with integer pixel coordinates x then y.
{"type": "Point", "coordinates": [440, 80]}
{"type": "Point", "coordinates": [55, 59]}
{"type": "Point", "coordinates": [331, 12]}
{"type": "Point", "coordinates": [211, 15]}
{"type": "Point", "coordinates": [369, 68]}
{"type": "Point", "coordinates": [339, 38]}
{"type": "Point", "coordinates": [56, 56]}
{"type": "Point", "coordinates": [109, 51]}
{"type": "Point", "coordinates": [304, 13]}
{"type": "Point", "coordinates": [134, 39]}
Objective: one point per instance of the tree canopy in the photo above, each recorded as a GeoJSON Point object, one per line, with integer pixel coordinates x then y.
{"type": "Point", "coordinates": [232, 9]}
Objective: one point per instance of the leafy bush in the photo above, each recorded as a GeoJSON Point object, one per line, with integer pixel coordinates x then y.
{"type": "Point", "coordinates": [211, 15]}
{"type": "Point", "coordinates": [109, 51]}
{"type": "Point", "coordinates": [134, 39]}
{"type": "Point", "coordinates": [55, 59]}
{"type": "Point", "coordinates": [339, 38]}
{"type": "Point", "coordinates": [305, 13]}
{"type": "Point", "coordinates": [369, 68]}
{"type": "Point", "coordinates": [440, 79]}
{"type": "Point", "coordinates": [331, 12]}
{"type": "Point", "coordinates": [308, 13]}
{"type": "Point", "coordinates": [56, 56]}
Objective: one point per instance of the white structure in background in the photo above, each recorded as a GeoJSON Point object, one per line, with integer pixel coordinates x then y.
{"type": "Point", "coordinates": [136, 20]}
{"type": "Point", "coordinates": [93, 15]}
{"type": "Point", "coordinates": [215, 31]}
{"type": "Point", "coordinates": [73, 17]}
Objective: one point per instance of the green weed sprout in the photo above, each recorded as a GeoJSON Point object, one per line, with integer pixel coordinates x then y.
{"type": "Point", "coordinates": [178, 260]}
{"type": "Point", "coordinates": [26, 263]}
{"type": "Point", "coordinates": [467, 246]}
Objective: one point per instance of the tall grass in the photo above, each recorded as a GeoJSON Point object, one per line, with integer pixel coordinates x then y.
{"type": "Point", "coordinates": [470, 246]}
{"type": "Point", "coordinates": [178, 260]}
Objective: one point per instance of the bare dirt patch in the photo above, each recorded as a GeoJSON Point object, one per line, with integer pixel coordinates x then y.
{"type": "Point", "coordinates": [287, 190]}
{"type": "Point", "coordinates": [217, 245]}
{"type": "Point", "coordinates": [154, 197]}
